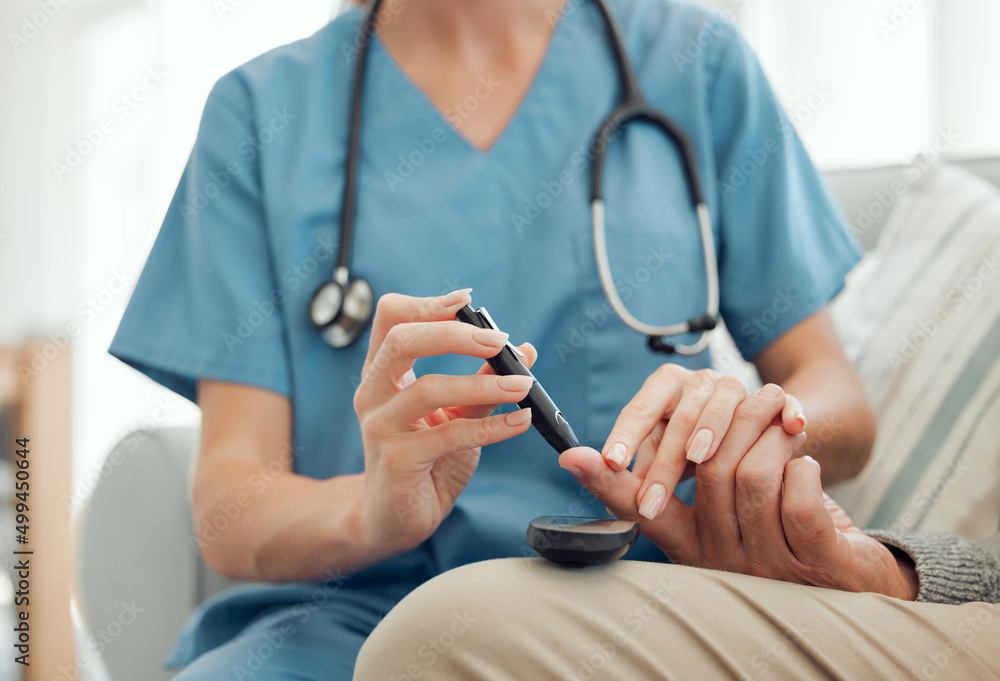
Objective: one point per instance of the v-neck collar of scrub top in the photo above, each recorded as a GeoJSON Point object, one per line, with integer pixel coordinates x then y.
{"type": "Point", "coordinates": [427, 105]}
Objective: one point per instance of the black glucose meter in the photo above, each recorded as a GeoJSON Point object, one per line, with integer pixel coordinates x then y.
{"type": "Point", "coordinates": [575, 541]}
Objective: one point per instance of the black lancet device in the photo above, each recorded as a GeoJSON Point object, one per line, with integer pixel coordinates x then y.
{"type": "Point", "coordinates": [545, 415]}
{"type": "Point", "coordinates": [568, 540]}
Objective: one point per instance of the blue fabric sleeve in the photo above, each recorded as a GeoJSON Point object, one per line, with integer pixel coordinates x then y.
{"type": "Point", "coordinates": [784, 247]}
{"type": "Point", "coordinates": [206, 304]}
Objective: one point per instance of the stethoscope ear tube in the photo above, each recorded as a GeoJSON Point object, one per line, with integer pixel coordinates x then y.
{"type": "Point", "coordinates": [615, 124]}
{"type": "Point", "coordinates": [342, 307]}
{"type": "Point", "coordinates": [350, 195]}
{"type": "Point", "coordinates": [635, 108]}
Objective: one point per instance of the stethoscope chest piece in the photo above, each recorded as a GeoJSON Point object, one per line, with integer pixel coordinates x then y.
{"type": "Point", "coordinates": [341, 308]}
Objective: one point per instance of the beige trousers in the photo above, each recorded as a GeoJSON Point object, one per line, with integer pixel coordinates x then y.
{"type": "Point", "coordinates": [527, 619]}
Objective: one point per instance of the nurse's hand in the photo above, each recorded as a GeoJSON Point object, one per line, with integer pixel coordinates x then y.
{"type": "Point", "coordinates": [758, 511]}
{"type": "Point", "coordinates": [678, 419]}
{"type": "Point", "coordinates": [422, 436]}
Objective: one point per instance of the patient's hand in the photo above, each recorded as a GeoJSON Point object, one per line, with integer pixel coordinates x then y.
{"type": "Point", "coordinates": [678, 419]}
{"type": "Point", "coordinates": [758, 511]}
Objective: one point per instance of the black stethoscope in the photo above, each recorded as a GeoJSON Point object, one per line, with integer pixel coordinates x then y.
{"type": "Point", "coordinates": [342, 307]}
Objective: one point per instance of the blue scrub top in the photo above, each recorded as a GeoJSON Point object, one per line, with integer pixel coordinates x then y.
{"type": "Point", "coordinates": [253, 230]}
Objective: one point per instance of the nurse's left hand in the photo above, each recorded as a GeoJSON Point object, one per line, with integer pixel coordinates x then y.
{"type": "Point", "coordinates": [678, 419]}
{"type": "Point", "coordinates": [758, 511]}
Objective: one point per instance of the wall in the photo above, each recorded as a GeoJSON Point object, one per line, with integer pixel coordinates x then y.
{"type": "Point", "coordinates": [899, 74]}
{"type": "Point", "coordinates": [74, 236]}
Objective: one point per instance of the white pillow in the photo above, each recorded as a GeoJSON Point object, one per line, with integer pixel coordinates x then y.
{"type": "Point", "coordinates": [920, 319]}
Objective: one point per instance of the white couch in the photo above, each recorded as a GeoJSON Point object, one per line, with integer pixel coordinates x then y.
{"type": "Point", "coordinates": [136, 542]}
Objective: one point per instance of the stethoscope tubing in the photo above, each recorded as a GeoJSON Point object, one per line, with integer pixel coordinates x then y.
{"type": "Point", "coordinates": [632, 108]}
{"type": "Point", "coordinates": [600, 240]}
{"type": "Point", "coordinates": [350, 195]}
{"type": "Point", "coordinates": [635, 108]}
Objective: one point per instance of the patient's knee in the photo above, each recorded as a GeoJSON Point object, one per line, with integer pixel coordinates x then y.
{"type": "Point", "coordinates": [431, 630]}
{"type": "Point", "coordinates": [485, 620]}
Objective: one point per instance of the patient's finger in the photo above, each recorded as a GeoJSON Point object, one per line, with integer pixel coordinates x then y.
{"type": "Point", "coordinates": [614, 489]}
{"type": "Point", "coordinates": [759, 479]}
{"type": "Point", "coordinates": [793, 419]}
{"type": "Point", "coordinates": [716, 478]}
{"type": "Point", "coordinates": [673, 531]}
{"type": "Point", "coordinates": [809, 529]}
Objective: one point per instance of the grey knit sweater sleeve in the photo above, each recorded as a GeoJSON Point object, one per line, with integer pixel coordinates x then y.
{"type": "Point", "coordinates": [951, 569]}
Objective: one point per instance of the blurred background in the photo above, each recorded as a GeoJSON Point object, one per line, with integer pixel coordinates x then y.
{"type": "Point", "coordinates": [100, 105]}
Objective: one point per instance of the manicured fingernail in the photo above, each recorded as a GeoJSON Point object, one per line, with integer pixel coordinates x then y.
{"type": "Point", "coordinates": [653, 502]}
{"type": "Point", "coordinates": [456, 297]}
{"type": "Point", "coordinates": [618, 454]}
{"type": "Point", "coordinates": [811, 460]}
{"type": "Point", "coordinates": [515, 384]}
{"type": "Point", "coordinates": [700, 445]}
{"type": "Point", "coordinates": [770, 390]}
{"type": "Point", "coordinates": [519, 417]}
{"type": "Point", "coordinates": [490, 338]}
{"type": "Point", "coordinates": [574, 471]}
{"type": "Point", "coordinates": [801, 418]}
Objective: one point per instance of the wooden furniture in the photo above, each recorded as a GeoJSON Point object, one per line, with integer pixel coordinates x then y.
{"type": "Point", "coordinates": [35, 390]}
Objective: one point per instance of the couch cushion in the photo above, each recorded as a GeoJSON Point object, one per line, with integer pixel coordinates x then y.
{"type": "Point", "coordinates": [920, 318]}
{"type": "Point", "coordinates": [869, 195]}
{"type": "Point", "coordinates": [136, 554]}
